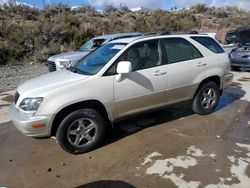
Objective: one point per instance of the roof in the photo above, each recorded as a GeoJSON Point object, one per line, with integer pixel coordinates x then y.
{"type": "Point", "coordinates": [128, 40]}
{"type": "Point", "coordinates": [118, 35]}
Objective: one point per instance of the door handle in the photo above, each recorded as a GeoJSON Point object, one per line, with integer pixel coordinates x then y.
{"type": "Point", "coordinates": [201, 64]}
{"type": "Point", "coordinates": [159, 73]}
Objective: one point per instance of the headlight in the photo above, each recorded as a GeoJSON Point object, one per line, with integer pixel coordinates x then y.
{"type": "Point", "coordinates": [64, 62]}
{"type": "Point", "coordinates": [31, 104]}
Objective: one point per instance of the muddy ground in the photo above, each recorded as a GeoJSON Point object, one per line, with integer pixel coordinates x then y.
{"type": "Point", "coordinates": [168, 148]}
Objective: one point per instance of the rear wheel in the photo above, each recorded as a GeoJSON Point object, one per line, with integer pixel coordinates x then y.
{"type": "Point", "coordinates": [81, 131]}
{"type": "Point", "coordinates": [206, 99]}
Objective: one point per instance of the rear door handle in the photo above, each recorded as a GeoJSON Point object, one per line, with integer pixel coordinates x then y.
{"type": "Point", "coordinates": [201, 64]}
{"type": "Point", "coordinates": [159, 73]}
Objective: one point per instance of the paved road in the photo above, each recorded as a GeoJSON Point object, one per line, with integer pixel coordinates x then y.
{"type": "Point", "coordinates": [167, 148]}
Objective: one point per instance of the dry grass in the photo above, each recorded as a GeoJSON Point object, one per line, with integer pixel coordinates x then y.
{"type": "Point", "coordinates": [28, 34]}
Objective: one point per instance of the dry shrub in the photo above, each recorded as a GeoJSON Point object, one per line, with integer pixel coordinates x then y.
{"type": "Point", "coordinates": [32, 34]}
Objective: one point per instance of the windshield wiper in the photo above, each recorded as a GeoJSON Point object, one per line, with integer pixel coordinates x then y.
{"type": "Point", "coordinates": [77, 70]}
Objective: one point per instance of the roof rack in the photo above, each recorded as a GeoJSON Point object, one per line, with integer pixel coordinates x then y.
{"type": "Point", "coordinates": [164, 33]}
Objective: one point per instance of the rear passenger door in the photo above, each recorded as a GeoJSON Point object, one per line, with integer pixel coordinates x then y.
{"type": "Point", "coordinates": [185, 65]}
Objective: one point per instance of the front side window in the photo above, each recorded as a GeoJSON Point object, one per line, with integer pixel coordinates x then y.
{"type": "Point", "coordinates": [179, 49]}
{"type": "Point", "coordinates": [209, 43]}
{"type": "Point", "coordinates": [95, 61]}
{"type": "Point", "coordinates": [142, 56]}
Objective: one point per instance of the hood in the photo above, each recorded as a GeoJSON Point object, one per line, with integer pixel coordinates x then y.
{"type": "Point", "coordinates": [243, 35]}
{"type": "Point", "coordinates": [72, 56]}
{"type": "Point", "coordinates": [47, 82]}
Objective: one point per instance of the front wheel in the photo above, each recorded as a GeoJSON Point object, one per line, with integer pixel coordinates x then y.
{"type": "Point", "coordinates": [81, 131]}
{"type": "Point", "coordinates": [206, 98]}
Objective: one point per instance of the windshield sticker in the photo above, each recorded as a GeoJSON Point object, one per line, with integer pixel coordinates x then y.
{"type": "Point", "coordinates": [118, 47]}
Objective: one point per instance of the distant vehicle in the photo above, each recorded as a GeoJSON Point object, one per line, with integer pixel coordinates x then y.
{"type": "Point", "coordinates": [60, 61]}
{"type": "Point", "coordinates": [240, 56]}
{"type": "Point", "coordinates": [121, 78]}
{"type": "Point", "coordinates": [230, 38]}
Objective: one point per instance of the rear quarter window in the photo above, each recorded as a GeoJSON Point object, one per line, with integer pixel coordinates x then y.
{"type": "Point", "coordinates": [179, 49]}
{"type": "Point", "coordinates": [209, 43]}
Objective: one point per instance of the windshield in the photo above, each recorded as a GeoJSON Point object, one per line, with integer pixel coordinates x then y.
{"type": "Point", "coordinates": [92, 44]}
{"type": "Point", "coordinates": [95, 61]}
{"type": "Point", "coordinates": [230, 38]}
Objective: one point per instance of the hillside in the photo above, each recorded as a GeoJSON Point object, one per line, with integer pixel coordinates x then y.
{"type": "Point", "coordinates": [31, 35]}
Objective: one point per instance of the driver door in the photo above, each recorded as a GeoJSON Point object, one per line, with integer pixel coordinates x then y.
{"type": "Point", "coordinates": [146, 86]}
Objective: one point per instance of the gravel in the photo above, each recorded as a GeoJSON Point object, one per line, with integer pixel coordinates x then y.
{"type": "Point", "coordinates": [13, 75]}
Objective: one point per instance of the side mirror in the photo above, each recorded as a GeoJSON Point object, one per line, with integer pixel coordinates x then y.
{"type": "Point", "coordinates": [123, 67]}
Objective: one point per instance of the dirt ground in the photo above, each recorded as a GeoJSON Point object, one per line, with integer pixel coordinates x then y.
{"type": "Point", "coordinates": [168, 148]}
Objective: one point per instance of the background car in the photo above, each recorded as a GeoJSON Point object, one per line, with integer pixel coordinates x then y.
{"type": "Point", "coordinates": [240, 56]}
{"type": "Point", "coordinates": [230, 38]}
{"type": "Point", "coordinates": [59, 61]}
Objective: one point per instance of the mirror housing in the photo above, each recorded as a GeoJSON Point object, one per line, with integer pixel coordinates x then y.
{"type": "Point", "coordinates": [123, 67]}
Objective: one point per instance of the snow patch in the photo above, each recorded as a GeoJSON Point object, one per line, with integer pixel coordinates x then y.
{"type": "Point", "coordinates": [165, 168]}
{"type": "Point", "coordinates": [246, 146]}
{"type": "Point", "coordinates": [167, 165]}
{"type": "Point", "coordinates": [149, 157]}
{"type": "Point", "coordinates": [196, 152]}
{"type": "Point", "coordinates": [238, 170]}
{"type": "Point", "coordinates": [180, 182]}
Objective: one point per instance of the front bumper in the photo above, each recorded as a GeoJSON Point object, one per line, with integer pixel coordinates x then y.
{"type": "Point", "coordinates": [23, 122]}
{"type": "Point", "coordinates": [227, 80]}
{"type": "Point", "coordinates": [245, 64]}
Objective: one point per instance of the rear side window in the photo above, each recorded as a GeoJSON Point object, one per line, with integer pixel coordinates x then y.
{"type": "Point", "coordinates": [209, 43]}
{"type": "Point", "coordinates": [179, 49]}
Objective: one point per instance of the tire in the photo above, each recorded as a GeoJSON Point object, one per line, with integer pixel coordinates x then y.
{"type": "Point", "coordinates": [206, 98]}
{"type": "Point", "coordinates": [81, 131]}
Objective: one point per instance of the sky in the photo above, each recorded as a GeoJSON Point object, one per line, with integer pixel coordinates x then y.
{"type": "Point", "coordinates": [164, 4]}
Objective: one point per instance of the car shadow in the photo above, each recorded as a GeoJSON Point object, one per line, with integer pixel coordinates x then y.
{"type": "Point", "coordinates": [137, 123]}
{"type": "Point", "coordinates": [231, 94]}
{"type": "Point", "coordinates": [106, 184]}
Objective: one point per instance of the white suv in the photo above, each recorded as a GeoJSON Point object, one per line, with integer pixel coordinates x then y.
{"type": "Point", "coordinates": [121, 78]}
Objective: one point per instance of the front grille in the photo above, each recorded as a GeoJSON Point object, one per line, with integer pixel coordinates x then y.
{"type": "Point", "coordinates": [240, 63]}
{"type": "Point", "coordinates": [51, 66]}
{"type": "Point", "coordinates": [16, 97]}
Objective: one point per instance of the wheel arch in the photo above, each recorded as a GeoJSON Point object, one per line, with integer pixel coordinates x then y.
{"type": "Point", "coordinates": [216, 79]}
{"type": "Point", "coordinates": [94, 104]}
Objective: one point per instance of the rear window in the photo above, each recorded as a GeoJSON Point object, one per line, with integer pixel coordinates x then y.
{"type": "Point", "coordinates": [209, 43]}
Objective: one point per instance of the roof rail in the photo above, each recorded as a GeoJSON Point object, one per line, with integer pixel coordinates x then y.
{"type": "Point", "coordinates": [150, 33]}
{"type": "Point", "coordinates": [193, 32]}
{"type": "Point", "coordinates": [164, 33]}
